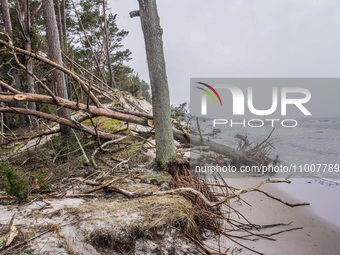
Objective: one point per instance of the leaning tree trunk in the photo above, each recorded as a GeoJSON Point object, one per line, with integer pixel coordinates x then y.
{"type": "Point", "coordinates": [165, 149]}
{"type": "Point", "coordinates": [54, 53]}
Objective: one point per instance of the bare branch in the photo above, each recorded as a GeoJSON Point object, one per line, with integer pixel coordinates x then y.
{"type": "Point", "coordinates": [134, 14]}
{"type": "Point", "coordinates": [83, 84]}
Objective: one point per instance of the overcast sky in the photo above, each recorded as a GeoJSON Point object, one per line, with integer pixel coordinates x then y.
{"type": "Point", "coordinates": [238, 38]}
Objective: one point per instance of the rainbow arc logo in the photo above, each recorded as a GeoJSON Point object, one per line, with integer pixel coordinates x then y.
{"type": "Point", "coordinates": [209, 93]}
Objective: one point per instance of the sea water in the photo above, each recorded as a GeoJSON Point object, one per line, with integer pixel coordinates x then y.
{"type": "Point", "coordinates": [311, 149]}
{"type": "Point", "coordinates": [313, 141]}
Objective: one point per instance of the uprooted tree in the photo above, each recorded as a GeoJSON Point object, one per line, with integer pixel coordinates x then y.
{"type": "Point", "coordinates": [87, 100]}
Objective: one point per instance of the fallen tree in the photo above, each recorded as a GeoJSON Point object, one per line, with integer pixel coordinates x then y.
{"type": "Point", "coordinates": [127, 114]}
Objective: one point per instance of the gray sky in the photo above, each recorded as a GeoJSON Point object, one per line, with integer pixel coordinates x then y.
{"type": "Point", "coordinates": [238, 38]}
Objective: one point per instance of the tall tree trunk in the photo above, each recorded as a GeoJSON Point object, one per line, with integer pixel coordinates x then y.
{"type": "Point", "coordinates": [54, 53]}
{"type": "Point", "coordinates": [3, 116]}
{"type": "Point", "coordinates": [88, 41]}
{"type": "Point", "coordinates": [63, 23]}
{"type": "Point", "coordinates": [108, 48]}
{"type": "Point", "coordinates": [14, 72]}
{"type": "Point", "coordinates": [28, 46]}
{"type": "Point", "coordinates": [62, 37]}
{"type": "Point", "coordinates": [60, 26]}
{"type": "Point", "coordinates": [165, 149]}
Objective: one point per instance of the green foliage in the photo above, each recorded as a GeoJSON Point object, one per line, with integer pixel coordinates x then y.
{"type": "Point", "coordinates": [44, 184]}
{"type": "Point", "coordinates": [13, 183]}
{"type": "Point", "coordinates": [181, 114]}
{"type": "Point", "coordinates": [129, 81]}
{"type": "Point", "coordinates": [78, 50]}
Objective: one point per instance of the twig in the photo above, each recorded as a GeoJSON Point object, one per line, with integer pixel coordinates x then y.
{"type": "Point", "coordinates": [102, 146]}
{"type": "Point", "coordinates": [199, 129]}
{"type": "Point", "coordinates": [201, 245]}
{"type": "Point", "coordinates": [81, 147]}
{"type": "Point", "coordinates": [39, 235]}
{"type": "Point", "coordinates": [103, 185]}
{"type": "Point", "coordinates": [281, 201]}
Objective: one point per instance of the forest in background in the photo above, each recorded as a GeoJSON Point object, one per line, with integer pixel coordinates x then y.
{"type": "Point", "coordinates": [87, 49]}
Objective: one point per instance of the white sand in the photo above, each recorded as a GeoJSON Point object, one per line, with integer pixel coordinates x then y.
{"type": "Point", "coordinates": [317, 236]}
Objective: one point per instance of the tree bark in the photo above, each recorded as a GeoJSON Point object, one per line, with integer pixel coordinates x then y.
{"type": "Point", "coordinates": [165, 149]}
{"type": "Point", "coordinates": [84, 86]}
{"type": "Point", "coordinates": [54, 52]}
{"type": "Point", "coordinates": [74, 106]}
{"type": "Point", "coordinates": [63, 23]}
{"type": "Point", "coordinates": [90, 45]}
{"type": "Point", "coordinates": [231, 153]}
{"type": "Point", "coordinates": [23, 119]}
{"type": "Point", "coordinates": [108, 48]}
{"type": "Point", "coordinates": [60, 26]}
{"type": "Point", "coordinates": [60, 120]}
{"type": "Point", "coordinates": [28, 46]}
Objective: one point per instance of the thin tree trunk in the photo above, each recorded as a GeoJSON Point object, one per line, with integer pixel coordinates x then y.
{"type": "Point", "coordinates": [63, 23]}
{"type": "Point", "coordinates": [165, 149]}
{"type": "Point", "coordinates": [88, 41]}
{"type": "Point", "coordinates": [231, 153]}
{"type": "Point", "coordinates": [54, 53]}
{"type": "Point", "coordinates": [28, 46]}
{"type": "Point", "coordinates": [23, 119]}
{"type": "Point", "coordinates": [108, 48]}
{"type": "Point", "coordinates": [83, 84]}
{"type": "Point", "coordinates": [63, 38]}
{"type": "Point", "coordinates": [60, 26]}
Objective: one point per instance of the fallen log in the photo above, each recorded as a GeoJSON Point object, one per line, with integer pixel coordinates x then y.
{"type": "Point", "coordinates": [29, 97]}
{"type": "Point", "coordinates": [63, 121]}
{"type": "Point", "coordinates": [233, 154]}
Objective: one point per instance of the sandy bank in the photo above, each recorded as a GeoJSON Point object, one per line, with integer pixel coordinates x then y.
{"type": "Point", "coordinates": [317, 236]}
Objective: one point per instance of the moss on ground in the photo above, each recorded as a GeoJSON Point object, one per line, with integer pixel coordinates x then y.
{"type": "Point", "coordinates": [108, 125]}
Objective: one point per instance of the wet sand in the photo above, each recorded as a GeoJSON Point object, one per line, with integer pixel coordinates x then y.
{"type": "Point", "coordinates": [318, 236]}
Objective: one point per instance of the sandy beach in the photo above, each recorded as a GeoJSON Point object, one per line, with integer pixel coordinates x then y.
{"type": "Point", "coordinates": [317, 236]}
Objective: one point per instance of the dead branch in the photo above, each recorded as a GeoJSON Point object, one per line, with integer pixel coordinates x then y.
{"type": "Point", "coordinates": [83, 84]}
{"type": "Point", "coordinates": [88, 41]}
{"type": "Point", "coordinates": [105, 185]}
{"type": "Point", "coordinates": [281, 201]}
{"type": "Point", "coordinates": [194, 191]}
{"type": "Point", "coordinates": [74, 106]}
{"type": "Point", "coordinates": [63, 121]}
{"type": "Point", "coordinates": [9, 88]}
{"type": "Point", "coordinates": [101, 147]}
{"type": "Point", "coordinates": [134, 14]}
{"type": "Point", "coordinates": [7, 197]}
{"type": "Point", "coordinates": [81, 147]}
